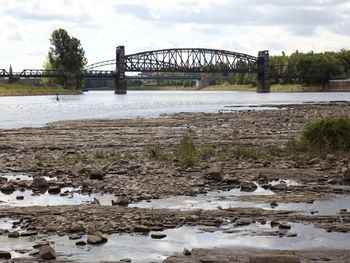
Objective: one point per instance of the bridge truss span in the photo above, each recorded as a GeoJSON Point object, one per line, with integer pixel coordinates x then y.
{"type": "Point", "coordinates": [200, 60]}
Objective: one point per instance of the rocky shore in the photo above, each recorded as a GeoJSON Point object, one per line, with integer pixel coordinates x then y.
{"type": "Point", "coordinates": [135, 160]}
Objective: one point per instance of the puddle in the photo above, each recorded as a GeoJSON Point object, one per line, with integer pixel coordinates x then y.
{"type": "Point", "coordinates": [142, 248]}
{"type": "Point", "coordinates": [329, 207]}
{"type": "Point", "coordinates": [72, 197]}
{"type": "Point", "coordinates": [211, 200]}
{"type": "Point", "coordinates": [23, 177]}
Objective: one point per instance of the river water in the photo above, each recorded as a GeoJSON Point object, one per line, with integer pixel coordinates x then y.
{"type": "Point", "coordinates": [36, 111]}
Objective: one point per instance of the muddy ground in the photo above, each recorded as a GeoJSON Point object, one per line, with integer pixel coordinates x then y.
{"type": "Point", "coordinates": [136, 160]}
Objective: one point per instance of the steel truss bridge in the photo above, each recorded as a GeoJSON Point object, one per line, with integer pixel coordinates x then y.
{"type": "Point", "coordinates": [186, 60]}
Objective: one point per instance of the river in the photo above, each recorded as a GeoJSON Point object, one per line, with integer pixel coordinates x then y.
{"type": "Point", "coordinates": [36, 111]}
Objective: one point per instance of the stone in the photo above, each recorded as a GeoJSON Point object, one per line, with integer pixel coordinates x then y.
{"type": "Point", "coordinates": [215, 173]}
{"type": "Point", "coordinates": [125, 260]}
{"type": "Point", "coordinates": [3, 180]}
{"type": "Point", "coordinates": [40, 244]}
{"type": "Point", "coordinates": [232, 180]}
{"type": "Point", "coordinates": [273, 204]}
{"type": "Point", "coordinates": [80, 243]}
{"type": "Point", "coordinates": [29, 233]}
{"type": "Point", "coordinates": [158, 236]}
{"type": "Point", "coordinates": [7, 188]}
{"type": "Point", "coordinates": [313, 161]}
{"type": "Point", "coordinates": [34, 252]}
{"type": "Point", "coordinates": [248, 186]}
{"type": "Point", "coordinates": [19, 197]}
{"type": "Point", "coordinates": [274, 258]}
{"type": "Point", "coordinates": [40, 183]}
{"type": "Point", "coordinates": [325, 166]}
{"type": "Point", "coordinates": [77, 169]}
{"type": "Point", "coordinates": [5, 255]}
{"type": "Point", "coordinates": [279, 187]}
{"type": "Point", "coordinates": [187, 252]}
{"type": "Point", "coordinates": [54, 189]}
{"type": "Point", "coordinates": [284, 226]}
{"type": "Point", "coordinates": [243, 222]}
{"type": "Point", "coordinates": [122, 201]}
{"type": "Point", "coordinates": [75, 227]}
{"type": "Point", "coordinates": [97, 174]}
{"type": "Point", "coordinates": [13, 234]}
{"type": "Point", "coordinates": [75, 236]}
{"type": "Point", "coordinates": [346, 174]}
{"type": "Point", "coordinates": [47, 252]}
{"type": "Point", "coordinates": [141, 229]}
{"type": "Point", "coordinates": [96, 239]}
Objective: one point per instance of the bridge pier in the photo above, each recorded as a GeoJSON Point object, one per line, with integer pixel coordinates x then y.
{"type": "Point", "coordinates": [120, 79]}
{"type": "Point", "coordinates": [263, 79]}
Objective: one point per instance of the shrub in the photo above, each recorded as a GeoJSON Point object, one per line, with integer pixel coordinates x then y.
{"type": "Point", "coordinates": [330, 134]}
{"type": "Point", "coordinates": [186, 151]}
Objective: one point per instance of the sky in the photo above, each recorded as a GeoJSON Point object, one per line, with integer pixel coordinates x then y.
{"type": "Point", "coordinates": [244, 26]}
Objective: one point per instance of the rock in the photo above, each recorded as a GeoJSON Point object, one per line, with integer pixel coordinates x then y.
{"type": "Point", "coordinates": [125, 260]}
{"type": "Point", "coordinates": [77, 169]}
{"type": "Point", "coordinates": [158, 236]}
{"type": "Point", "coordinates": [96, 239]}
{"type": "Point", "coordinates": [232, 180]}
{"type": "Point", "coordinates": [54, 189]}
{"type": "Point", "coordinates": [274, 223]}
{"type": "Point", "coordinates": [331, 157]}
{"type": "Point", "coordinates": [40, 244]}
{"type": "Point", "coordinates": [274, 258]}
{"type": "Point", "coordinates": [247, 186]}
{"type": "Point", "coordinates": [80, 243]}
{"type": "Point", "coordinates": [284, 226]}
{"type": "Point", "coordinates": [75, 236]}
{"type": "Point", "coordinates": [13, 234]}
{"type": "Point", "coordinates": [34, 252]}
{"type": "Point", "coordinates": [47, 252]}
{"type": "Point", "coordinates": [215, 173]}
{"type": "Point", "coordinates": [187, 252]}
{"type": "Point", "coordinates": [122, 201]}
{"type": "Point", "coordinates": [75, 227]}
{"type": "Point", "coordinates": [141, 229]}
{"type": "Point", "coordinates": [97, 174]}
{"type": "Point", "coordinates": [325, 166]}
{"type": "Point", "coordinates": [19, 197]}
{"type": "Point", "coordinates": [5, 255]}
{"type": "Point", "coordinates": [279, 187]}
{"type": "Point", "coordinates": [3, 180]}
{"type": "Point", "coordinates": [7, 188]}
{"type": "Point", "coordinates": [40, 183]}
{"type": "Point", "coordinates": [313, 161]}
{"type": "Point", "coordinates": [273, 204]}
{"type": "Point", "coordinates": [346, 174]}
{"type": "Point", "coordinates": [243, 222]}
{"type": "Point", "coordinates": [29, 233]}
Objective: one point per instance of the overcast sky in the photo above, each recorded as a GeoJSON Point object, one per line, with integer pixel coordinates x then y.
{"type": "Point", "coordinates": [245, 26]}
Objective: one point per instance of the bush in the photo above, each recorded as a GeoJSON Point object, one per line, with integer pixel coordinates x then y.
{"type": "Point", "coordinates": [330, 134]}
{"type": "Point", "coordinates": [186, 151]}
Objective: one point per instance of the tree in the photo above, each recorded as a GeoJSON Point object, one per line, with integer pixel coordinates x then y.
{"type": "Point", "coordinates": [66, 53]}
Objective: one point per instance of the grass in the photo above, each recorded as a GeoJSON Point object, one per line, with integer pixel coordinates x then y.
{"type": "Point", "coordinates": [18, 89]}
{"type": "Point", "coordinates": [321, 137]}
{"type": "Point", "coordinates": [228, 87]}
{"type": "Point", "coordinates": [186, 151]}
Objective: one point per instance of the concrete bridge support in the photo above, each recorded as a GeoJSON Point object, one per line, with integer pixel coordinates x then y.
{"type": "Point", "coordinates": [120, 80]}
{"type": "Point", "coordinates": [263, 80]}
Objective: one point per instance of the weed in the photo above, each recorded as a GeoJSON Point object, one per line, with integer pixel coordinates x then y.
{"type": "Point", "coordinates": [186, 151]}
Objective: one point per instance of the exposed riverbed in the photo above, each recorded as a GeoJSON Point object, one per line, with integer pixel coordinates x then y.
{"type": "Point", "coordinates": [71, 179]}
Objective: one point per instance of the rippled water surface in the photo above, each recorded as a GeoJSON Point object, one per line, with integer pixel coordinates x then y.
{"type": "Point", "coordinates": [33, 111]}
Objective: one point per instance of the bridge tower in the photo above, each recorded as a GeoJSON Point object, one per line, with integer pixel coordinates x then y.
{"type": "Point", "coordinates": [120, 79]}
{"type": "Point", "coordinates": [263, 82]}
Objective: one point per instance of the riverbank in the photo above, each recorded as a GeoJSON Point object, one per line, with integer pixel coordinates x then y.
{"type": "Point", "coordinates": [216, 171]}
{"type": "Point", "coordinates": [274, 88]}
{"type": "Point", "coordinates": [32, 90]}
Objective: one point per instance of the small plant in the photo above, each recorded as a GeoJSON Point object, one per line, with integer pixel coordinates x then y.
{"type": "Point", "coordinates": [206, 152]}
{"type": "Point", "coordinates": [330, 134]}
{"type": "Point", "coordinates": [186, 151]}
{"type": "Point", "coordinates": [154, 152]}
{"type": "Point", "coordinates": [79, 157]}
{"type": "Point", "coordinates": [99, 154]}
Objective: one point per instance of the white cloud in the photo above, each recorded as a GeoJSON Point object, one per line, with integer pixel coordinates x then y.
{"type": "Point", "coordinates": [239, 25]}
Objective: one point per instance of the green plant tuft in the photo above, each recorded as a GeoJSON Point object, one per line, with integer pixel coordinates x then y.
{"type": "Point", "coordinates": [186, 151]}
{"type": "Point", "coordinates": [328, 134]}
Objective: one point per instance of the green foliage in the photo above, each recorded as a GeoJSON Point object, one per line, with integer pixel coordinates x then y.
{"type": "Point", "coordinates": [21, 89]}
{"type": "Point", "coordinates": [99, 154]}
{"type": "Point", "coordinates": [186, 151]}
{"type": "Point", "coordinates": [328, 134]}
{"type": "Point", "coordinates": [157, 153]}
{"type": "Point", "coordinates": [65, 52]}
{"type": "Point", "coordinates": [313, 68]}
